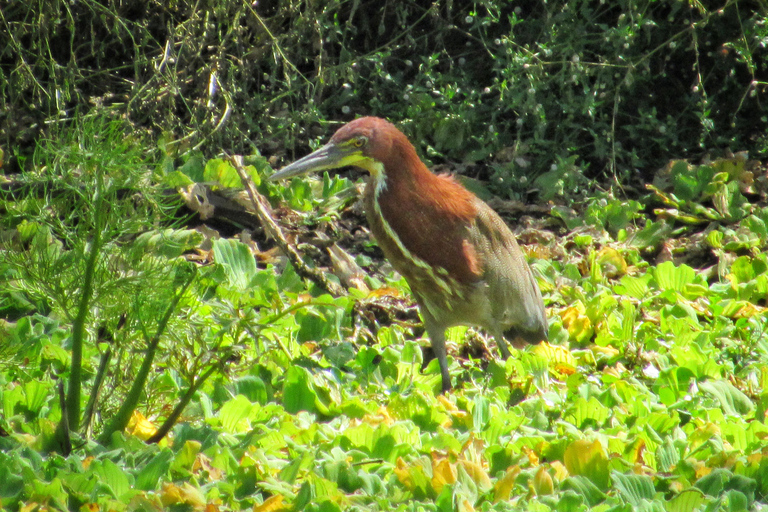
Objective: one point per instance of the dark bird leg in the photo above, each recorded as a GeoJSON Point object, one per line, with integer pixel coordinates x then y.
{"type": "Point", "coordinates": [502, 344]}
{"type": "Point", "coordinates": [437, 338]}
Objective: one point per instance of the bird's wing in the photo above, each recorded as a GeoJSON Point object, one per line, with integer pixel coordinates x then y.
{"type": "Point", "coordinates": [513, 291]}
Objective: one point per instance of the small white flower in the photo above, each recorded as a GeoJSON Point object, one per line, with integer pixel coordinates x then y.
{"type": "Point", "coordinates": [651, 372]}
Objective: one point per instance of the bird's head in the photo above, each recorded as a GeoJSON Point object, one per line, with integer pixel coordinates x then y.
{"type": "Point", "coordinates": [368, 142]}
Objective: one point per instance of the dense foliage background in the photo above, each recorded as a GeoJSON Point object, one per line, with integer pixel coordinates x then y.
{"type": "Point", "coordinates": [625, 141]}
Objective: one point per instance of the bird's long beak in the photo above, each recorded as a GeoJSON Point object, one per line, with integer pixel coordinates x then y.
{"type": "Point", "coordinates": [329, 156]}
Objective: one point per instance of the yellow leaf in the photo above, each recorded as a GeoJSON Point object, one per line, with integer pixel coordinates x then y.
{"type": "Point", "coordinates": [403, 474]}
{"type": "Point", "coordinates": [611, 262]}
{"type": "Point", "coordinates": [384, 291]}
{"type": "Point", "coordinates": [272, 504]}
{"type": "Point", "coordinates": [172, 494]}
{"type": "Point", "coordinates": [607, 351]}
{"type": "Point", "coordinates": [702, 471]}
{"type": "Point", "coordinates": [542, 482]}
{"type": "Point", "coordinates": [560, 472]}
{"type": "Point", "coordinates": [466, 506]}
{"type": "Point", "coordinates": [577, 323]}
{"type": "Point", "coordinates": [559, 358]}
{"type": "Point", "coordinates": [442, 472]}
{"type": "Point", "coordinates": [203, 463]}
{"type": "Point", "coordinates": [473, 448]}
{"type": "Point", "coordinates": [382, 416]}
{"type": "Point", "coordinates": [504, 485]}
{"type": "Point", "coordinates": [476, 473]}
{"type": "Point", "coordinates": [636, 452]}
{"type": "Point", "coordinates": [451, 408]}
{"type": "Point", "coordinates": [587, 459]}
{"type": "Point", "coordinates": [140, 426]}
{"type": "Point", "coordinates": [533, 458]}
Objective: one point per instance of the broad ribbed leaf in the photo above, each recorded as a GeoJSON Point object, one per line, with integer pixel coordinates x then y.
{"type": "Point", "coordinates": [298, 394]}
{"type": "Point", "coordinates": [111, 476]}
{"type": "Point", "coordinates": [148, 477]}
{"type": "Point", "coordinates": [233, 413]}
{"type": "Point", "coordinates": [634, 488]}
{"type": "Point", "coordinates": [731, 400]}
{"type": "Point", "coordinates": [237, 261]}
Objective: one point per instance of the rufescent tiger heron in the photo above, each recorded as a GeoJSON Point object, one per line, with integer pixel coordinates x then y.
{"type": "Point", "coordinates": [461, 261]}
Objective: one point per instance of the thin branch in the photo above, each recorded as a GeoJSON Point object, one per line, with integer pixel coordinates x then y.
{"type": "Point", "coordinates": [272, 230]}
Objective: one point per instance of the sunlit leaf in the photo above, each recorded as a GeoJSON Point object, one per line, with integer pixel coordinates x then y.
{"type": "Point", "coordinates": [584, 458]}
{"type": "Point", "coordinates": [729, 397]}
{"type": "Point", "coordinates": [687, 501]}
{"type": "Point", "coordinates": [558, 357]}
{"type": "Point", "coordinates": [298, 392]}
{"type": "Point", "coordinates": [502, 489]}
{"type": "Point", "coordinates": [272, 504]}
{"type": "Point", "coordinates": [233, 414]}
{"type": "Point", "coordinates": [140, 426]}
{"type": "Point", "coordinates": [112, 476]}
{"type": "Point", "coordinates": [442, 472]}
{"type": "Point", "coordinates": [237, 261]}
{"type": "Point", "coordinates": [222, 172]}
{"type": "Point", "coordinates": [634, 488]}
{"type": "Point", "coordinates": [185, 494]}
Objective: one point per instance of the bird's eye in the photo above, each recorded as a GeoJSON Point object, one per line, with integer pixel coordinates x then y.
{"type": "Point", "coordinates": [359, 142]}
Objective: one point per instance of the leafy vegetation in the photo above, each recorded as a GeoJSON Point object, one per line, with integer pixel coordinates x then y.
{"type": "Point", "coordinates": [154, 355]}
{"type": "Point", "coordinates": [653, 393]}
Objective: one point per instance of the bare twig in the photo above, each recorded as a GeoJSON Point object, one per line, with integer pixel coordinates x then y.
{"type": "Point", "coordinates": [271, 229]}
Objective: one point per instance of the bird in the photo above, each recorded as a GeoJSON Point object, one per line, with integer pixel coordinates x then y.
{"type": "Point", "coordinates": [461, 261]}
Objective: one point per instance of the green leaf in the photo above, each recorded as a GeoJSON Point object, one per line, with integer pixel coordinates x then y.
{"type": "Point", "coordinates": [253, 388]}
{"type": "Point", "coordinates": [222, 172]}
{"type": "Point", "coordinates": [111, 476]}
{"type": "Point", "coordinates": [149, 476]}
{"type": "Point", "coordinates": [584, 487]}
{"type": "Point", "coordinates": [731, 400]}
{"type": "Point", "coordinates": [185, 458]}
{"type": "Point", "coordinates": [298, 392]}
{"type": "Point", "coordinates": [237, 261]}
{"type": "Point", "coordinates": [234, 413]}
{"type": "Point", "coordinates": [194, 168]}
{"type": "Point", "coordinates": [587, 413]}
{"type": "Point", "coordinates": [687, 501]}
{"type": "Point", "coordinates": [11, 483]}
{"type": "Point", "coordinates": [634, 488]}
{"type": "Point", "coordinates": [177, 179]}
{"type": "Point", "coordinates": [670, 277]}
{"type": "Point", "coordinates": [169, 243]}
{"type": "Point", "coordinates": [37, 393]}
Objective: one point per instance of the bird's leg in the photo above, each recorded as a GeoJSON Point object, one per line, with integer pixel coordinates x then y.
{"type": "Point", "coordinates": [502, 344]}
{"type": "Point", "coordinates": [437, 339]}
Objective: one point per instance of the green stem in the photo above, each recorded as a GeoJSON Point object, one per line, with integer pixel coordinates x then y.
{"type": "Point", "coordinates": [171, 421]}
{"type": "Point", "coordinates": [123, 416]}
{"type": "Point", "coordinates": [97, 382]}
{"type": "Point", "coordinates": [78, 326]}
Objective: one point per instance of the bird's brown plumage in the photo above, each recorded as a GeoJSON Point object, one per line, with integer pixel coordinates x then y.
{"type": "Point", "coordinates": [460, 259]}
